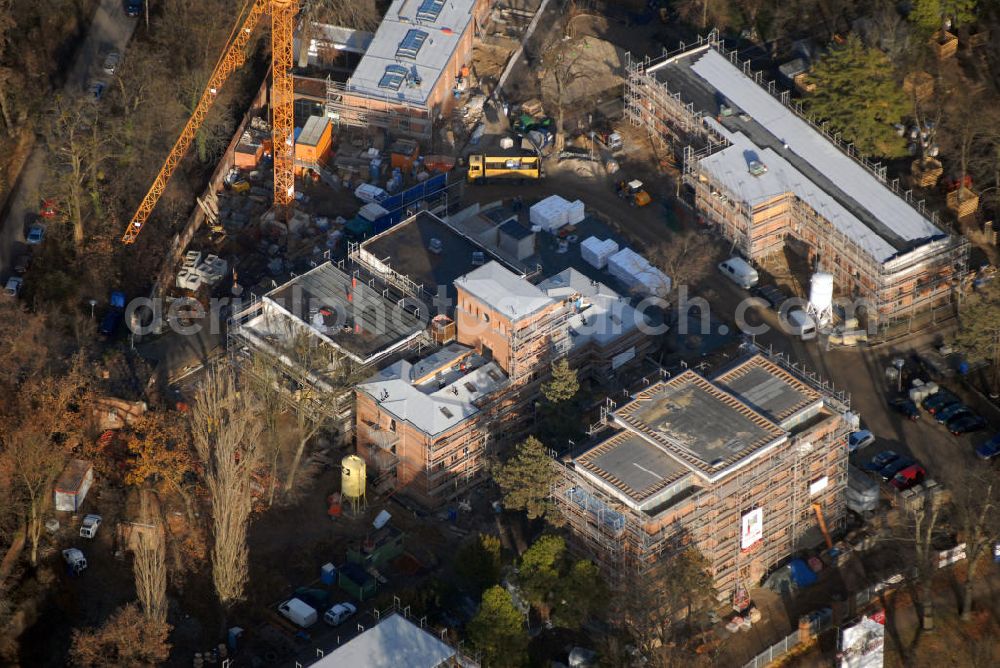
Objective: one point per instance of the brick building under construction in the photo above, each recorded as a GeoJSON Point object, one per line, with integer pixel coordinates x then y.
{"type": "Point", "coordinates": [425, 427]}
{"type": "Point", "coordinates": [767, 177]}
{"type": "Point", "coordinates": [742, 465]}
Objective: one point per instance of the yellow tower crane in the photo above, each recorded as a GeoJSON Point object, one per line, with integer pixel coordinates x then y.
{"type": "Point", "coordinates": [283, 14]}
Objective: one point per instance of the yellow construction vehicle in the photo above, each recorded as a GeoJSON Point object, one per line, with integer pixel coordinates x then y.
{"type": "Point", "coordinates": [634, 192]}
{"type": "Point", "coordinates": [485, 167]}
{"type": "Point", "coordinates": [822, 524]}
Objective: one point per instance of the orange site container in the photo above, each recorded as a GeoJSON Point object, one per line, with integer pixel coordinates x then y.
{"type": "Point", "coordinates": [314, 142]}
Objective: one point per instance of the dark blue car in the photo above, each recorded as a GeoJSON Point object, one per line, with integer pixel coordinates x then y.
{"type": "Point", "coordinates": [116, 313]}
{"type": "Point", "coordinates": [951, 412]}
{"type": "Point", "coordinates": [989, 449]}
{"type": "Point", "coordinates": [889, 471]}
{"type": "Point", "coordinates": [133, 7]}
{"type": "Point", "coordinates": [880, 461]}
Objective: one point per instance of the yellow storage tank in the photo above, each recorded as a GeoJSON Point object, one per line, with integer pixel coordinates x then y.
{"type": "Point", "coordinates": [352, 481]}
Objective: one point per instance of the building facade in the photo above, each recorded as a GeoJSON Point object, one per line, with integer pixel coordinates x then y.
{"type": "Point", "coordinates": [765, 177]}
{"type": "Point", "coordinates": [738, 465]}
{"type": "Point", "coordinates": [426, 427]}
{"type": "Point", "coordinates": [408, 74]}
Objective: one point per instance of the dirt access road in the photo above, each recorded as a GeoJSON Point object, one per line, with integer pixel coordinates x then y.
{"type": "Point", "coordinates": [110, 30]}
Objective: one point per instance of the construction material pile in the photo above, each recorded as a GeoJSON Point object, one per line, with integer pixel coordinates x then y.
{"type": "Point", "coordinates": [195, 272]}
{"type": "Point", "coordinates": [596, 252]}
{"type": "Point", "coordinates": [554, 212]}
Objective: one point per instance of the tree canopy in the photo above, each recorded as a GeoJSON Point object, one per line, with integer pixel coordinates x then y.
{"type": "Point", "coordinates": [526, 478]}
{"type": "Point", "coordinates": [931, 15]}
{"type": "Point", "coordinates": [563, 385]}
{"type": "Point", "coordinates": [648, 606]}
{"type": "Point", "coordinates": [478, 561]}
{"type": "Point", "coordinates": [128, 638]}
{"type": "Point", "coordinates": [572, 591]}
{"type": "Point", "coordinates": [859, 97]}
{"type": "Point", "coordinates": [497, 630]}
{"type": "Point", "coordinates": [979, 329]}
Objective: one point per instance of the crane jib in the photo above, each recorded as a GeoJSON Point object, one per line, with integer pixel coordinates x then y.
{"type": "Point", "coordinates": [282, 109]}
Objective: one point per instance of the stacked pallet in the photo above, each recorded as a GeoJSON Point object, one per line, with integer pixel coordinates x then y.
{"type": "Point", "coordinates": [551, 213]}
{"type": "Point", "coordinates": [596, 252]}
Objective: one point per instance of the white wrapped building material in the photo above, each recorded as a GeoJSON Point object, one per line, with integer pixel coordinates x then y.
{"type": "Point", "coordinates": [596, 252]}
{"type": "Point", "coordinates": [626, 265]}
{"type": "Point", "coordinates": [550, 214]}
{"type": "Point", "coordinates": [653, 282]}
{"type": "Point", "coordinates": [591, 250]}
{"type": "Point", "coordinates": [576, 212]}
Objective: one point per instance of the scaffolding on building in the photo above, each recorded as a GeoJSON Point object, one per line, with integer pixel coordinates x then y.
{"type": "Point", "coordinates": [362, 110]}
{"type": "Point", "coordinates": [615, 534]}
{"type": "Point", "coordinates": [889, 287]}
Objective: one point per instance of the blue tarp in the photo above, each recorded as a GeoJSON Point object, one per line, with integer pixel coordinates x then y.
{"type": "Point", "coordinates": [802, 575]}
{"type": "Point", "coordinates": [396, 204]}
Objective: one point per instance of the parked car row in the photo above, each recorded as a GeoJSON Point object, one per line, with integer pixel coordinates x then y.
{"type": "Point", "coordinates": [304, 615]}
{"type": "Point", "coordinates": [900, 471]}
{"type": "Point", "coordinates": [950, 411]}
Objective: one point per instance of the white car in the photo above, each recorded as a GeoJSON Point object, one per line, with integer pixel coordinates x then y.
{"type": "Point", "coordinates": [75, 560]}
{"type": "Point", "coordinates": [339, 613]}
{"type": "Point", "coordinates": [859, 439]}
{"type": "Point", "coordinates": [13, 286]}
{"type": "Point", "coordinates": [111, 62]}
{"type": "Point", "coordinates": [91, 523]}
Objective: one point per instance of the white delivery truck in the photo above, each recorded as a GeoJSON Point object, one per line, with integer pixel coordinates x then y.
{"type": "Point", "coordinates": [739, 272]}
{"type": "Point", "coordinates": [801, 324]}
{"type": "Point", "coordinates": [298, 612]}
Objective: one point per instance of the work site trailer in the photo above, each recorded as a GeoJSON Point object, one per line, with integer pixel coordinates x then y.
{"type": "Point", "coordinates": [73, 484]}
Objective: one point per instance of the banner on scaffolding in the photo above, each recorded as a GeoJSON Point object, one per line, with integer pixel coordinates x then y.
{"type": "Point", "coordinates": [753, 528]}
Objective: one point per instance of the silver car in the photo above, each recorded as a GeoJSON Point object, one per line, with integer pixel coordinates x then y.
{"type": "Point", "coordinates": [111, 62]}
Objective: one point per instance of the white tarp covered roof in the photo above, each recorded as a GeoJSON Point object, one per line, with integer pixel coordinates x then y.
{"type": "Point", "coordinates": [504, 290]}
{"type": "Point", "coordinates": [851, 178]}
{"type": "Point", "coordinates": [395, 642]}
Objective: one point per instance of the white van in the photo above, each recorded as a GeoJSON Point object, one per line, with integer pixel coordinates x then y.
{"type": "Point", "coordinates": [298, 612]}
{"type": "Point", "coordinates": [368, 193]}
{"type": "Point", "coordinates": [739, 272]}
{"type": "Point", "coordinates": [801, 324]}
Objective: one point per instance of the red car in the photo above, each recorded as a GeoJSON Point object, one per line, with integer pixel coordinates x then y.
{"type": "Point", "coordinates": [48, 209]}
{"type": "Point", "coordinates": [910, 476]}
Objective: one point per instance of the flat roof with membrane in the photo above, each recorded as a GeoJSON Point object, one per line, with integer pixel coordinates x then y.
{"type": "Point", "coordinates": [405, 248]}
{"type": "Point", "coordinates": [799, 159]}
{"type": "Point", "coordinates": [768, 388]}
{"type": "Point", "coordinates": [415, 39]}
{"type": "Point", "coordinates": [632, 466]}
{"type": "Point", "coordinates": [698, 423]}
{"type": "Point", "coordinates": [347, 313]}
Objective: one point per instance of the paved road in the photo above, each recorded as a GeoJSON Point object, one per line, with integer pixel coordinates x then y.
{"type": "Point", "coordinates": [110, 30]}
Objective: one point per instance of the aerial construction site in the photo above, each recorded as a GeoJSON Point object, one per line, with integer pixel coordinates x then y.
{"type": "Point", "coordinates": [494, 333]}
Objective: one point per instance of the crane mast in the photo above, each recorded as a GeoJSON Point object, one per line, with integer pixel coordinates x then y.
{"type": "Point", "coordinates": [283, 14]}
{"type": "Point", "coordinates": [282, 99]}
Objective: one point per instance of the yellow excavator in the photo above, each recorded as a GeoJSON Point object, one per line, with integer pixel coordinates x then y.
{"type": "Point", "coordinates": [634, 192]}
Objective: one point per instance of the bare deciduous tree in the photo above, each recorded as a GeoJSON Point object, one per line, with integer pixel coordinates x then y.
{"type": "Point", "coordinates": [35, 462]}
{"type": "Point", "coordinates": [685, 257]}
{"type": "Point", "coordinates": [127, 639]}
{"type": "Point", "coordinates": [975, 515]}
{"type": "Point", "coordinates": [920, 532]}
{"type": "Point", "coordinates": [227, 429]}
{"type": "Point", "coordinates": [150, 567]}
